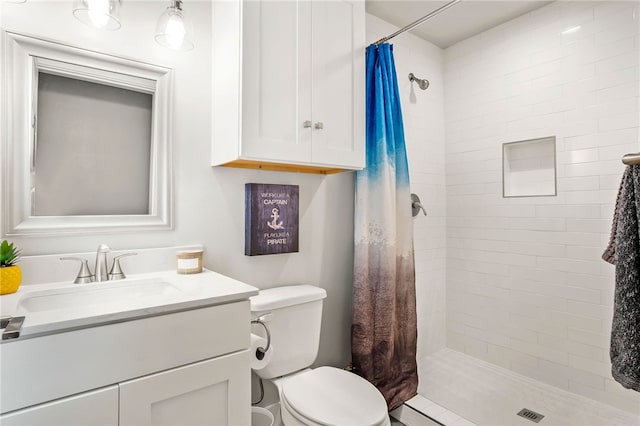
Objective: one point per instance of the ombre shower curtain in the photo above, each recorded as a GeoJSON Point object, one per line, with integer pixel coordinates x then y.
{"type": "Point", "coordinates": [384, 330]}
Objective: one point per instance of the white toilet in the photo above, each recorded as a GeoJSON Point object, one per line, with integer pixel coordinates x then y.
{"type": "Point", "coordinates": [323, 396]}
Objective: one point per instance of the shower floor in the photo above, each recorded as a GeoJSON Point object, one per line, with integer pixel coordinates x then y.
{"type": "Point", "coordinates": [488, 395]}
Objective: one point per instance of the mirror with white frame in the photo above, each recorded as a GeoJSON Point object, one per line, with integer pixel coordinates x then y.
{"type": "Point", "coordinates": [86, 145]}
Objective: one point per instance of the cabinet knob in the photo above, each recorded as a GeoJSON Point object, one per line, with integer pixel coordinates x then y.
{"type": "Point", "coordinates": [306, 124]}
{"type": "Point", "coordinates": [319, 125]}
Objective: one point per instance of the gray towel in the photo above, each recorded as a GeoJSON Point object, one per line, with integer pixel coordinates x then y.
{"type": "Point", "coordinates": [624, 252]}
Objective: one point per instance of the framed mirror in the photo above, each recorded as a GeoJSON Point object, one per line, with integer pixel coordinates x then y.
{"type": "Point", "coordinates": [86, 143]}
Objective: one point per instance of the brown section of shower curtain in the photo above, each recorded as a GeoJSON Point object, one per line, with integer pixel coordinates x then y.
{"type": "Point", "coordinates": [384, 329]}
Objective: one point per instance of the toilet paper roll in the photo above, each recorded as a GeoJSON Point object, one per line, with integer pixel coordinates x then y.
{"type": "Point", "coordinates": [259, 342]}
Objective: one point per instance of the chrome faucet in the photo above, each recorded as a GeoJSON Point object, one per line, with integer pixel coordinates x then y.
{"type": "Point", "coordinates": [101, 263]}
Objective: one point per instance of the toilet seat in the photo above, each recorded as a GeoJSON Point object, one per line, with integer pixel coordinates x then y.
{"type": "Point", "coordinates": [330, 396]}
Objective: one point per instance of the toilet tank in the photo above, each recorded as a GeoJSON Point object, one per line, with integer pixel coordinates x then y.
{"type": "Point", "coordinates": [294, 325]}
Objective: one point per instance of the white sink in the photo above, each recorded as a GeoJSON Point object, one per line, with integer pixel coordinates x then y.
{"type": "Point", "coordinates": [83, 295]}
{"type": "Point", "coordinates": [55, 307]}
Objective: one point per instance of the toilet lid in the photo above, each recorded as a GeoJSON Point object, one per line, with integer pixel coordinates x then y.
{"type": "Point", "coordinates": [330, 396]}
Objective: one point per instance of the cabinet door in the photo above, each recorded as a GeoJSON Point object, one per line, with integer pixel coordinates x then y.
{"type": "Point", "coordinates": [276, 81]}
{"type": "Point", "coordinates": [212, 392]}
{"type": "Point", "coordinates": [99, 407]}
{"type": "Point", "coordinates": [338, 83]}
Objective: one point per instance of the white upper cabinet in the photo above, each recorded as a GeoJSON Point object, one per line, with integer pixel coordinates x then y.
{"type": "Point", "coordinates": [288, 85]}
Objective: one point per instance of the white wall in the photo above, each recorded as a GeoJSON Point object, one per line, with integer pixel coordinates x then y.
{"type": "Point", "coordinates": [209, 202]}
{"type": "Point", "coordinates": [526, 288]}
{"type": "Point", "coordinates": [423, 114]}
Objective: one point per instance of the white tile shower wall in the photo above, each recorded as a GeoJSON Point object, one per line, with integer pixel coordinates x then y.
{"type": "Point", "coordinates": [423, 113]}
{"type": "Point", "coordinates": [526, 287]}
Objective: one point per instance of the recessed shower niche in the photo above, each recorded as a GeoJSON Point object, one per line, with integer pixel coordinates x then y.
{"type": "Point", "coordinates": [529, 168]}
{"type": "Point", "coordinates": [87, 141]}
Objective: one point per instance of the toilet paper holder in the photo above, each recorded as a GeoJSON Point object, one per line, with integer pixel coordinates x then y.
{"type": "Point", "coordinates": [260, 352]}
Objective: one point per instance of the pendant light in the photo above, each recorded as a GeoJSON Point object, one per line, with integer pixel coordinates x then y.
{"type": "Point", "coordinates": [103, 14]}
{"type": "Point", "coordinates": [174, 30]}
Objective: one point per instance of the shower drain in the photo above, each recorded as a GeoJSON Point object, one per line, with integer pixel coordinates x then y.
{"type": "Point", "coordinates": [530, 415]}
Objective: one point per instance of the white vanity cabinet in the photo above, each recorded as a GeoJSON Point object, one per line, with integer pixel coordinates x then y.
{"type": "Point", "coordinates": [96, 408]}
{"type": "Point", "coordinates": [206, 393]}
{"type": "Point", "coordinates": [288, 85]}
{"type": "Point", "coordinates": [184, 367]}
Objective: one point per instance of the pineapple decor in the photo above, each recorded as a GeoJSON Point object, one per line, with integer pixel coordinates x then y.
{"type": "Point", "coordinates": [10, 274]}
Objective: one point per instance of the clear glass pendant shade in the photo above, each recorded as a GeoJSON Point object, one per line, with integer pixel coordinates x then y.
{"type": "Point", "coordinates": [103, 14]}
{"type": "Point", "coordinates": [174, 31]}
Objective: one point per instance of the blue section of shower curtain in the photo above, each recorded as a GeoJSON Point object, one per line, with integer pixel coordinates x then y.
{"type": "Point", "coordinates": [385, 130]}
{"type": "Point", "coordinates": [384, 331]}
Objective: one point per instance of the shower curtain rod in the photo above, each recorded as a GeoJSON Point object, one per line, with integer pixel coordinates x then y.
{"type": "Point", "coordinates": [418, 22]}
{"type": "Point", "coordinates": [630, 159]}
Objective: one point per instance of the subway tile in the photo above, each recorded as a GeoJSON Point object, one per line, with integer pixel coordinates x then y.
{"type": "Point", "coordinates": [568, 265]}
{"type": "Point", "coordinates": [537, 249]}
{"type": "Point", "coordinates": [606, 210]}
{"type": "Point", "coordinates": [588, 281]}
{"type": "Point", "coordinates": [622, 91]}
{"type": "Point", "coordinates": [591, 197]}
{"type": "Point", "coordinates": [545, 376]}
{"type": "Point", "coordinates": [602, 139]}
{"type": "Point", "coordinates": [615, 78]}
{"type": "Point", "coordinates": [546, 276]}
{"type": "Point", "coordinates": [622, 30]}
{"type": "Point", "coordinates": [582, 183]}
{"type": "Point", "coordinates": [593, 169]}
{"type": "Point", "coordinates": [493, 257]}
{"type": "Point", "coordinates": [589, 352]}
{"type": "Point", "coordinates": [483, 267]}
{"type": "Point", "coordinates": [455, 341]}
{"type": "Point", "coordinates": [584, 33]}
{"type": "Point", "coordinates": [591, 310]}
{"type": "Point", "coordinates": [580, 323]}
{"type": "Point", "coordinates": [539, 325]}
{"type": "Point", "coordinates": [590, 225]}
{"type": "Point", "coordinates": [576, 211]}
{"type": "Point", "coordinates": [586, 378]}
{"type": "Point", "coordinates": [576, 375]}
{"type": "Point", "coordinates": [601, 340]}
{"type": "Point", "coordinates": [571, 73]}
{"type": "Point", "coordinates": [619, 106]}
{"type": "Point", "coordinates": [541, 300]}
{"type": "Point", "coordinates": [476, 348]}
{"type": "Point", "coordinates": [580, 363]}
{"type": "Point", "coordinates": [618, 122]}
{"type": "Point", "coordinates": [616, 152]}
{"type": "Point", "coordinates": [521, 361]}
{"type": "Point", "coordinates": [539, 351]}
{"type": "Point", "coordinates": [584, 253]}
{"type": "Point", "coordinates": [608, 14]}
{"type": "Point", "coordinates": [578, 156]}
{"type": "Point", "coordinates": [625, 60]}
{"type": "Point", "coordinates": [487, 336]}
{"type": "Point", "coordinates": [499, 355]}
{"type": "Point", "coordinates": [577, 128]}
{"type": "Point", "coordinates": [610, 181]}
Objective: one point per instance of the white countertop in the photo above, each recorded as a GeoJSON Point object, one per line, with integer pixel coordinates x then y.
{"type": "Point", "coordinates": [52, 307]}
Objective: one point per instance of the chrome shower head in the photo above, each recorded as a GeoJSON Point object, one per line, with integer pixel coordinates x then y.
{"type": "Point", "coordinates": [422, 83]}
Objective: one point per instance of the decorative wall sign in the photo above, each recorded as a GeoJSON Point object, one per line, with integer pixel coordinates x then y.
{"type": "Point", "coordinates": [271, 219]}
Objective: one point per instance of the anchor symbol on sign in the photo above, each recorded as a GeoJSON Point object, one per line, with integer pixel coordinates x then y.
{"type": "Point", "coordinates": [274, 223]}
